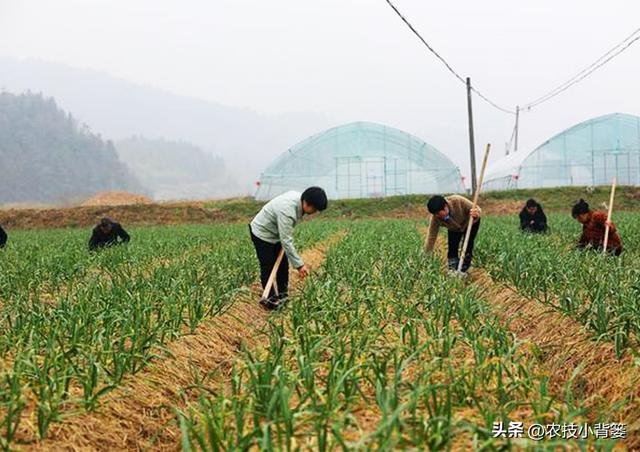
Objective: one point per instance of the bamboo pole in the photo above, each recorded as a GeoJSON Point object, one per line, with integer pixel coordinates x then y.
{"type": "Point", "coordinates": [606, 231]}
{"type": "Point", "coordinates": [475, 203]}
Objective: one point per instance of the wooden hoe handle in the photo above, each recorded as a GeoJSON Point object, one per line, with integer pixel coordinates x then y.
{"type": "Point", "coordinates": [273, 274]}
{"type": "Point", "coordinates": [606, 231]}
{"type": "Point", "coordinates": [475, 203]}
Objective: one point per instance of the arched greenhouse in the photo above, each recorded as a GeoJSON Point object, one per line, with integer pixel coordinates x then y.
{"type": "Point", "coordinates": [361, 160]}
{"type": "Point", "coordinates": [589, 153]}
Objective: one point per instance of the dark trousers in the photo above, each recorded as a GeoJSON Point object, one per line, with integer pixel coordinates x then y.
{"type": "Point", "coordinates": [457, 238]}
{"type": "Point", "coordinates": [267, 254]}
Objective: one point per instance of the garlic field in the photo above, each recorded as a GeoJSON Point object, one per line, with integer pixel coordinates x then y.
{"type": "Point", "coordinates": [378, 349]}
{"type": "Point", "coordinates": [600, 292]}
{"type": "Point", "coordinates": [382, 350]}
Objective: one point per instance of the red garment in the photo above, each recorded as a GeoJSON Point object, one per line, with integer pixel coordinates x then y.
{"type": "Point", "coordinates": [593, 233]}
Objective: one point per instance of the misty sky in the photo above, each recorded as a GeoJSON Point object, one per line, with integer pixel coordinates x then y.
{"type": "Point", "coordinates": [352, 59]}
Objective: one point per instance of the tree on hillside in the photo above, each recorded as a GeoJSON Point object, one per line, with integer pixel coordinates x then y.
{"type": "Point", "coordinates": [48, 156]}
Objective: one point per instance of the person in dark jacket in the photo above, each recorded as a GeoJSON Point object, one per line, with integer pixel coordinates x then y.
{"type": "Point", "coordinates": [594, 225]}
{"type": "Point", "coordinates": [532, 217]}
{"type": "Point", "coordinates": [106, 233]}
{"type": "Point", "coordinates": [3, 238]}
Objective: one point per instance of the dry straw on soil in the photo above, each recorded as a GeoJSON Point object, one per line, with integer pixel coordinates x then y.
{"type": "Point", "coordinates": [569, 353]}
{"type": "Point", "coordinates": [139, 414]}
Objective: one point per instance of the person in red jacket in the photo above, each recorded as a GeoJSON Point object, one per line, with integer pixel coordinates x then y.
{"type": "Point", "coordinates": [594, 224]}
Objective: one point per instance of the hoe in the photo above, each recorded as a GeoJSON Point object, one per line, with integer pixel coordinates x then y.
{"type": "Point", "coordinates": [459, 271]}
{"type": "Point", "coordinates": [264, 300]}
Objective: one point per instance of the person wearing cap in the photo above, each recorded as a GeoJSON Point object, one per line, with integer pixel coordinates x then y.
{"type": "Point", "coordinates": [107, 233]}
{"type": "Point", "coordinates": [3, 238]}
{"type": "Point", "coordinates": [532, 217]}
{"type": "Point", "coordinates": [453, 213]}
{"type": "Point", "coordinates": [594, 225]}
{"type": "Point", "coordinates": [272, 230]}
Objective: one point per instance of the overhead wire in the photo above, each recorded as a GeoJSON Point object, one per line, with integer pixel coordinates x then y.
{"type": "Point", "coordinates": [584, 73]}
{"type": "Point", "coordinates": [604, 59]}
{"type": "Point", "coordinates": [577, 78]}
{"type": "Point", "coordinates": [444, 61]}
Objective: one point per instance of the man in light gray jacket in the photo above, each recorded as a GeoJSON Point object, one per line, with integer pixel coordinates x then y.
{"type": "Point", "coordinates": [272, 229]}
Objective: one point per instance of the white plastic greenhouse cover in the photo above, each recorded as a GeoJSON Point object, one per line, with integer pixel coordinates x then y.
{"type": "Point", "coordinates": [361, 160]}
{"type": "Point", "coordinates": [507, 167]}
{"type": "Point", "coordinates": [589, 153]}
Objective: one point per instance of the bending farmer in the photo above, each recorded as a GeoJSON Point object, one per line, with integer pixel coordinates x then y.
{"type": "Point", "coordinates": [106, 233]}
{"type": "Point", "coordinates": [532, 217]}
{"type": "Point", "coordinates": [3, 238]}
{"type": "Point", "coordinates": [453, 213]}
{"type": "Point", "coordinates": [594, 224]}
{"type": "Point", "coordinates": [272, 229]}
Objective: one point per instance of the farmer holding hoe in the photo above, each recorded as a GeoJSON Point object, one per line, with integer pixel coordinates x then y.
{"type": "Point", "coordinates": [594, 224]}
{"type": "Point", "coordinates": [454, 213]}
{"type": "Point", "coordinates": [272, 230]}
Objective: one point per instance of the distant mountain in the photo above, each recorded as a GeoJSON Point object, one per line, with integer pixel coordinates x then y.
{"type": "Point", "coordinates": [246, 140]}
{"type": "Point", "coordinates": [175, 170]}
{"type": "Point", "coordinates": [47, 156]}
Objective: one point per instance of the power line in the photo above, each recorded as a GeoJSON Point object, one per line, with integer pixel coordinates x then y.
{"type": "Point", "coordinates": [604, 59]}
{"type": "Point", "coordinates": [447, 65]}
{"type": "Point", "coordinates": [584, 73]}
{"type": "Point", "coordinates": [585, 69]}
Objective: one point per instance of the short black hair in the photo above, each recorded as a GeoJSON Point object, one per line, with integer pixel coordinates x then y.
{"type": "Point", "coordinates": [436, 204]}
{"type": "Point", "coordinates": [315, 197]}
{"type": "Point", "coordinates": [532, 203]}
{"type": "Point", "coordinates": [579, 208]}
{"type": "Point", "coordinates": [104, 222]}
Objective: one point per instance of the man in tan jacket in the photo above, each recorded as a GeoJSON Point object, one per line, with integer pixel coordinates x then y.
{"type": "Point", "coordinates": [453, 213]}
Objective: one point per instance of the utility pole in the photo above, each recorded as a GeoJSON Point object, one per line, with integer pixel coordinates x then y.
{"type": "Point", "coordinates": [472, 146]}
{"type": "Point", "coordinates": [517, 125]}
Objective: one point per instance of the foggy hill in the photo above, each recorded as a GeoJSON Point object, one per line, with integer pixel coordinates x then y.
{"type": "Point", "coordinates": [246, 140]}
{"type": "Point", "coordinates": [175, 170]}
{"type": "Point", "coordinates": [48, 156]}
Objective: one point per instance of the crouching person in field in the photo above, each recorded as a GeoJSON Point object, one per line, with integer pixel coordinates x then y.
{"type": "Point", "coordinates": [594, 225]}
{"type": "Point", "coordinates": [3, 238]}
{"type": "Point", "coordinates": [454, 213]}
{"type": "Point", "coordinates": [532, 217]}
{"type": "Point", "coordinates": [272, 230]}
{"type": "Point", "coordinates": [107, 233]}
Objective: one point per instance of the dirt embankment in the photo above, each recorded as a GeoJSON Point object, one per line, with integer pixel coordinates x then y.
{"type": "Point", "coordinates": [116, 198]}
{"type": "Point", "coordinates": [124, 207]}
{"type": "Point", "coordinates": [193, 212]}
{"type": "Point", "coordinates": [130, 208]}
{"type": "Point", "coordinates": [127, 215]}
{"type": "Point", "coordinates": [419, 211]}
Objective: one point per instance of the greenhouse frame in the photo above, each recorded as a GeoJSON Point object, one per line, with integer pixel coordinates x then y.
{"type": "Point", "coordinates": [361, 160]}
{"type": "Point", "coordinates": [588, 154]}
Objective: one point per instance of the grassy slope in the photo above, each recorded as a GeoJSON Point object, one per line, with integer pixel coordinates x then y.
{"type": "Point", "coordinates": [243, 209]}
{"type": "Point", "coordinates": [553, 199]}
{"type": "Point", "coordinates": [561, 199]}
